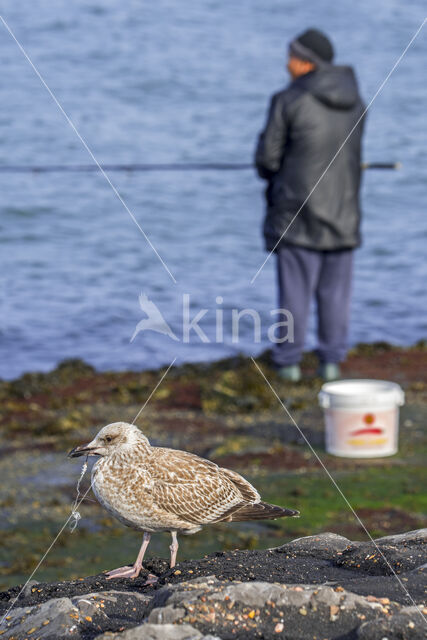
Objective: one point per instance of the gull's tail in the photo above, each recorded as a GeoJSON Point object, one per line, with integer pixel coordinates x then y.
{"type": "Point", "coordinates": [262, 511]}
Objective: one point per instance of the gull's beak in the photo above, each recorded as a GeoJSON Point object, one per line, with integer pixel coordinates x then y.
{"type": "Point", "coordinates": [83, 450]}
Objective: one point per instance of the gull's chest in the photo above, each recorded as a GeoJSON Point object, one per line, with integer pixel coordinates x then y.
{"type": "Point", "coordinates": [124, 489]}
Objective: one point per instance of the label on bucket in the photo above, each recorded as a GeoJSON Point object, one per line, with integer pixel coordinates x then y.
{"type": "Point", "coordinates": [361, 433]}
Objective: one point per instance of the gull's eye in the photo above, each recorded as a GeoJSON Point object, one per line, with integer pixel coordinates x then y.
{"type": "Point", "coordinates": [108, 438]}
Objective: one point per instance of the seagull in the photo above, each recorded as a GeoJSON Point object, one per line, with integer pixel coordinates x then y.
{"type": "Point", "coordinates": [155, 320]}
{"type": "Point", "coordinates": [153, 489]}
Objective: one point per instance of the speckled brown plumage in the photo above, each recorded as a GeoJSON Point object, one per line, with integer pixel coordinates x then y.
{"type": "Point", "coordinates": [157, 489]}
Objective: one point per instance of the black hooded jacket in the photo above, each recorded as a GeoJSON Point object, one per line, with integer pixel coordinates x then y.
{"type": "Point", "coordinates": [307, 123]}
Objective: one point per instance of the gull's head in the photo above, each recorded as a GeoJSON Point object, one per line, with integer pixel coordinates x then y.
{"type": "Point", "coordinates": [114, 438]}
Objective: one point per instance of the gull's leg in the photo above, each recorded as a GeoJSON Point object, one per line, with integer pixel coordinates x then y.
{"type": "Point", "coordinates": [174, 548]}
{"type": "Point", "coordinates": [151, 579]}
{"type": "Point", "coordinates": [132, 572]}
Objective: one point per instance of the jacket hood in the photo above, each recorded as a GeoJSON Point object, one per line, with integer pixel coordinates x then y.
{"type": "Point", "coordinates": [334, 86]}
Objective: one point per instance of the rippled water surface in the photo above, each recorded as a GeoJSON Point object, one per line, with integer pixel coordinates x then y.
{"type": "Point", "coordinates": [171, 82]}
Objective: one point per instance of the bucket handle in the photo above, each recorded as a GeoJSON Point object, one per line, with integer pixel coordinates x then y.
{"type": "Point", "coordinates": [324, 400]}
{"type": "Point", "coordinates": [400, 397]}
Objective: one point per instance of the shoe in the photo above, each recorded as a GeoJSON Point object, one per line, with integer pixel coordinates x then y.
{"type": "Point", "coordinates": [329, 371]}
{"type": "Point", "coordinates": [292, 373]}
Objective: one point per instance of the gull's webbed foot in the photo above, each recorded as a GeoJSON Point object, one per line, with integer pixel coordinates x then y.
{"type": "Point", "coordinates": [124, 572]}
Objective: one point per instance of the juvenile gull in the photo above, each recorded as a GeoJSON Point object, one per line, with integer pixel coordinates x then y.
{"type": "Point", "coordinates": [157, 489]}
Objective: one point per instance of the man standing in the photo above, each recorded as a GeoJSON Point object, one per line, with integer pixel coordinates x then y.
{"type": "Point", "coordinates": [313, 214]}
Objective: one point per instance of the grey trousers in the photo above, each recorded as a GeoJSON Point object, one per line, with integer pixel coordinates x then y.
{"type": "Point", "coordinates": [326, 276]}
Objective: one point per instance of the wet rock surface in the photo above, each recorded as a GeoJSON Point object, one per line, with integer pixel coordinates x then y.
{"type": "Point", "coordinates": [81, 616]}
{"type": "Point", "coordinates": [322, 586]}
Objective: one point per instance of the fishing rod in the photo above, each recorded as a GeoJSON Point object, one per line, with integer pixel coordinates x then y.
{"type": "Point", "coordinates": [187, 166]}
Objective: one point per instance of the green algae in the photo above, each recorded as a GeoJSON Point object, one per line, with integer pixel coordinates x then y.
{"type": "Point", "coordinates": [222, 410]}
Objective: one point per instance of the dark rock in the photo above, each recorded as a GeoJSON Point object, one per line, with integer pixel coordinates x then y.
{"type": "Point", "coordinates": [408, 624]}
{"type": "Point", "coordinates": [267, 566]}
{"type": "Point", "coordinates": [254, 609]}
{"type": "Point", "coordinates": [323, 585]}
{"type": "Point", "coordinates": [388, 555]}
{"type": "Point", "coordinates": [49, 621]}
{"type": "Point", "coordinates": [319, 560]}
{"type": "Point", "coordinates": [79, 617]}
{"type": "Point", "coordinates": [409, 588]}
{"type": "Point", "coordinates": [157, 632]}
{"type": "Point", "coordinates": [41, 591]}
{"type": "Point", "coordinates": [325, 546]}
{"type": "Point", "coordinates": [116, 608]}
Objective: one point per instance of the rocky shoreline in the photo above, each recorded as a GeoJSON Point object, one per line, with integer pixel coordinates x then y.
{"type": "Point", "coordinates": [319, 586]}
{"type": "Point", "coordinates": [316, 587]}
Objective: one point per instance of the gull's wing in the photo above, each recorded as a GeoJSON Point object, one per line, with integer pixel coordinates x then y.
{"type": "Point", "coordinates": [194, 489]}
{"type": "Point", "coordinates": [249, 493]}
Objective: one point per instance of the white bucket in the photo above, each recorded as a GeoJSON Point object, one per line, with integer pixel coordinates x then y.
{"type": "Point", "coordinates": [361, 417]}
